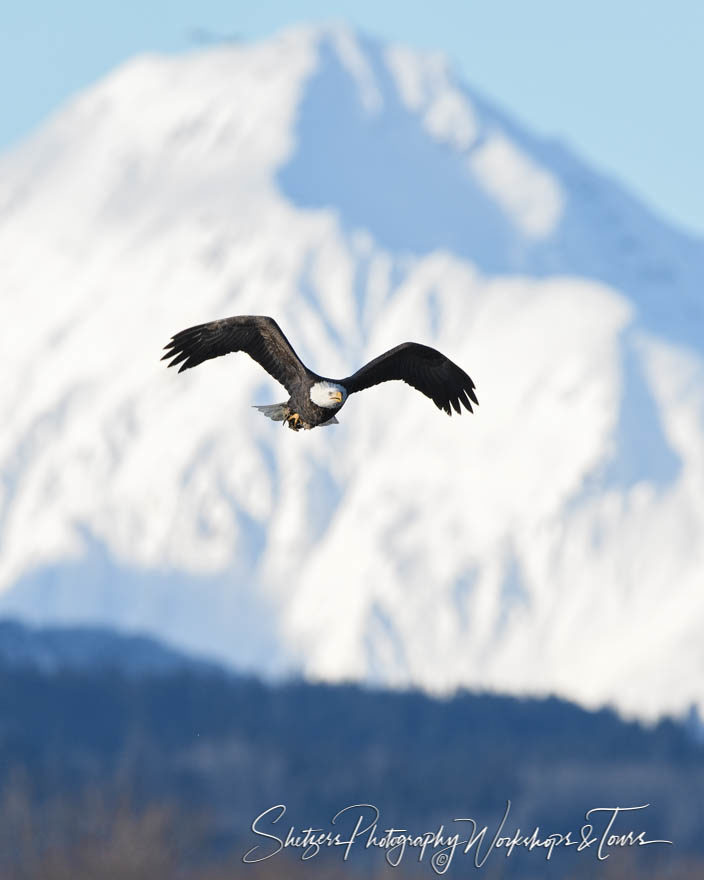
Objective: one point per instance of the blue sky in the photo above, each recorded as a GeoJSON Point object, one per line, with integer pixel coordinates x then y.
{"type": "Point", "coordinates": [619, 80]}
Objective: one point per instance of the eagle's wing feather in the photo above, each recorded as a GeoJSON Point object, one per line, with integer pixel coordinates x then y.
{"type": "Point", "coordinates": [426, 369]}
{"type": "Point", "coordinates": [257, 335]}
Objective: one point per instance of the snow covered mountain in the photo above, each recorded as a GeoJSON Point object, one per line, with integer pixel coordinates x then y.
{"type": "Point", "coordinates": [361, 195]}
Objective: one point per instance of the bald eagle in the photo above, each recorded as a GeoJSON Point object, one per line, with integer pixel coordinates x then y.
{"type": "Point", "coordinates": [314, 400]}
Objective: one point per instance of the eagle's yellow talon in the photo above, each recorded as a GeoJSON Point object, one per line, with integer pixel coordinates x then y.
{"type": "Point", "coordinates": [293, 421]}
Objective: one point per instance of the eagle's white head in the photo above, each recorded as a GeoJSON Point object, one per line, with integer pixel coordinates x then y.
{"type": "Point", "coordinates": [329, 395]}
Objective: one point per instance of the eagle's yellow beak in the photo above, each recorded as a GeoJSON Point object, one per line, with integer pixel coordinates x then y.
{"type": "Point", "coordinates": [337, 396]}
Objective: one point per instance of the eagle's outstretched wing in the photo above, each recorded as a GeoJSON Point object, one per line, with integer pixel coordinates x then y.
{"type": "Point", "coordinates": [257, 335]}
{"type": "Point", "coordinates": [422, 367]}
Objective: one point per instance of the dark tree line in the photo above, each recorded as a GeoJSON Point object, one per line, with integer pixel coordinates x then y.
{"type": "Point", "coordinates": [220, 749]}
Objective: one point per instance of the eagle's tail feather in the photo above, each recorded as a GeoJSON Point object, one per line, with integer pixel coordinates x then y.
{"type": "Point", "coordinates": [276, 411]}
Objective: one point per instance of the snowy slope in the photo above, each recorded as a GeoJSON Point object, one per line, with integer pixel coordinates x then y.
{"type": "Point", "coordinates": [360, 194]}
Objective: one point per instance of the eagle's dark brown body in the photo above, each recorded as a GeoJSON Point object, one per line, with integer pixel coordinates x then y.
{"type": "Point", "coordinates": [309, 414]}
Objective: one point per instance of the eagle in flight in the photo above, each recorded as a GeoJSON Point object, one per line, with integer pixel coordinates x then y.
{"type": "Point", "coordinates": [315, 400]}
